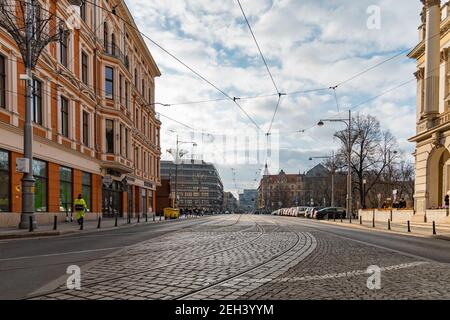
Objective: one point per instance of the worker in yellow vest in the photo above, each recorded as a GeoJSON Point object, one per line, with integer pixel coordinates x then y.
{"type": "Point", "coordinates": [80, 209]}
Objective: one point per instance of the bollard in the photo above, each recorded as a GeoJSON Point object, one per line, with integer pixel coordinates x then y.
{"type": "Point", "coordinates": [160, 217]}
{"type": "Point", "coordinates": [129, 219]}
{"type": "Point", "coordinates": [373, 222]}
{"type": "Point", "coordinates": [409, 226]}
{"type": "Point", "coordinates": [434, 228]}
{"type": "Point", "coordinates": [146, 217]}
{"type": "Point", "coordinates": [139, 218]}
{"type": "Point", "coordinates": [115, 225]}
{"type": "Point", "coordinates": [341, 218]}
{"type": "Point", "coordinates": [334, 217]}
{"type": "Point", "coordinates": [154, 216]}
{"type": "Point", "coordinates": [389, 224]}
{"type": "Point", "coordinates": [360, 220]}
{"type": "Point", "coordinates": [81, 224]}
{"type": "Point", "coordinates": [55, 222]}
{"type": "Point", "coordinates": [99, 222]}
{"type": "Point", "coordinates": [31, 224]}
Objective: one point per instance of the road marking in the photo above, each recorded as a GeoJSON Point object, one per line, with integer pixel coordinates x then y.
{"type": "Point", "coordinates": [325, 276]}
{"type": "Point", "coordinates": [62, 253]}
{"type": "Point", "coordinates": [351, 273]}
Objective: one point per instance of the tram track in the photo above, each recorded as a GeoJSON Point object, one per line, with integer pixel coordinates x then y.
{"type": "Point", "coordinates": [261, 229]}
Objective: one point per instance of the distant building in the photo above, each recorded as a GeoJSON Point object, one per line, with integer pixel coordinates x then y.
{"type": "Point", "coordinates": [163, 196]}
{"type": "Point", "coordinates": [199, 184]}
{"type": "Point", "coordinates": [230, 202]}
{"type": "Point", "coordinates": [248, 200]}
{"type": "Point", "coordinates": [289, 190]}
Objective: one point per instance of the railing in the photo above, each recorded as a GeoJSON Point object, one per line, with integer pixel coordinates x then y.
{"type": "Point", "coordinates": [113, 50]}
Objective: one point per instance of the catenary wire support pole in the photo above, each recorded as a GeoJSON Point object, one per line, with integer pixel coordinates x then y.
{"type": "Point", "coordinates": [29, 25]}
{"type": "Point", "coordinates": [348, 122]}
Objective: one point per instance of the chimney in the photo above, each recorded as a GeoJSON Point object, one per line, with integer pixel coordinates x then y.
{"type": "Point", "coordinates": [432, 56]}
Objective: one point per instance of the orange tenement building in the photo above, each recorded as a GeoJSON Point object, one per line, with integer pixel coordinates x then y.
{"type": "Point", "coordinates": [95, 126]}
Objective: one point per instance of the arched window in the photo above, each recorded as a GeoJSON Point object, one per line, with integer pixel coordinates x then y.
{"type": "Point", "coordinates": [105, 35]}
{"type": "Point", "coordinates": [113, 44]}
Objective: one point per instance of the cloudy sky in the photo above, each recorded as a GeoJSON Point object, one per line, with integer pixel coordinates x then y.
{"type": "Point", "coordinates": [308, 45]}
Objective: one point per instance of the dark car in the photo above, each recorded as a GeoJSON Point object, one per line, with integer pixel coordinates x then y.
{"type": "Point", "coordinates": [332, 212]}
{"type": "Point", "coordinates": [313, 211]}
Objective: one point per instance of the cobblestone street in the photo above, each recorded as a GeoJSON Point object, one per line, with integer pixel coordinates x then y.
{"type": "Point", "coordinates": [253, 257]}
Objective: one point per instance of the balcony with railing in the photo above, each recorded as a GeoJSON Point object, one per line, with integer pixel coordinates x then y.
{"type": "Point", "coordinates": [112, 50]}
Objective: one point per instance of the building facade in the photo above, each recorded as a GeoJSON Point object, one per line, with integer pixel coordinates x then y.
{"type": "Point", "coordinates": [230, 203]}
{"type": "Point", "coordinates": [94, 122]}
{"type": "Point", "coordinates": [248, 200]}
{"type": "Point", "coordinates": [198, 184]}
{"type": "Point", "coordinates": [432, 138]}
{"type": "Point", "coordinates": [290, 190]}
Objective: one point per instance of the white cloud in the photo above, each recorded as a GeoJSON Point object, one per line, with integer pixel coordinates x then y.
{"type": "Point", "coordinates": [308, 44]}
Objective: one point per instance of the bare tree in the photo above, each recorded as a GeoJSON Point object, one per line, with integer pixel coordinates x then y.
{"type": "Point", "coordinates": [372, 153]}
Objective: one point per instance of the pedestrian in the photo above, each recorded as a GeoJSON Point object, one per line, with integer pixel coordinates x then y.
{"type": "Point", "coordinates": [80, 209]}
{"type": "Point", "coordinates": [447, 201]}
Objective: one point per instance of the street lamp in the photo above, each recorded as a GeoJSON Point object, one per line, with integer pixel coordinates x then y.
{"type": "Point", "coordinates": [178, 154]}
{"type": "Point", "coordinates": [364, 194]}
{"type": "Point", "coordinates": [333, 170]}
{"type": "Point", "coordinates": [348, 122]}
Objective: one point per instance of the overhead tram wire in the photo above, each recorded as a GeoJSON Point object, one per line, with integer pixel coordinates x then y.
{"type": "Point", "coordinates": [257, 45]}
{"type": "Point", "coordinates": [179, 61]}
{"type": "Point", "coordinates": [226, 95]}
{"type": "Point", "coordinates": [267, 67]}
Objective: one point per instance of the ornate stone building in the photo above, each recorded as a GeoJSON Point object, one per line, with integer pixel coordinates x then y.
{"type": "Point", "coordinates": [432, 138]}
{"type": "Point", "coordinates": [95, 127]}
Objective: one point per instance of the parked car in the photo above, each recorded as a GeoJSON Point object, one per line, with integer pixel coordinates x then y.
{"type": "Point", "coordinates": [332, 212]}
{"type": "Point", "coordinates": [301, 211]}
{"type": "Point", "coordinates": [314, 211]}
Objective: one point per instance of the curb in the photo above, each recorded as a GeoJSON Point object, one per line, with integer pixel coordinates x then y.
{"type": "Point", "coordinates": [42, 234]}
{"type": "Point", "coordinates": [364, 227]}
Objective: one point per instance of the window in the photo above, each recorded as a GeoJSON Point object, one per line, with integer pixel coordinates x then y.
{"type": "Point", "coordinates": [143, 87]}
{"type": "Point", "coordinates": [5, 182]}
{"type": "Point", "coordinates": [121, 89]}
{"type": "Point", "coordinates": [40, 173]}
{"type": "Point", "coordinates": [145, 162]}
{"type": "Point", "coordinates": [135, 77]}
{"type": "Point", "coordinates": [65, 189]}
{"type": "Point", "coordinates": [109, 136]}
{"type": "Point", "coordinates": [83, 11]}
{"type": "Point", "coordinates": [157, 137]}
{"type": "Point", "coordinates": [136, 158]}
{"type": "Point", "coordinates": [37, 102]}
{"type": "Point", "coordinates": [136, 124]}
{"type": "Point", "coordinates": [126, 94]}
{"type": "Point", "coordinates": [84, 68]}
{"type": "Point", "coordinates": [126, 143]}
{"type": "Point", "coordinates": [113, 44]}
{"type": "Point", "coordinates": [109, 82]}
{"type": "Point", "coordinates": [105, 35]}
{"type": "Point", "coordinates": [144, 125]}
{"type": "Point", "coordinates": [64, 54]}
{"type": "Point", "coordinates": [2, 82]}
{"type": "Point", "coordinates": [121, 139]}
{"type": "Point", "coordinates": [85, 128]}
{"type": "Point", "coordinates": [64, 117]}
{"type": "Point", "coordinates": [86, 188]}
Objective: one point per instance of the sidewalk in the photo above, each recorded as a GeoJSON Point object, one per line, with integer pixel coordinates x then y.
{"type": "Point", "coordinates": [416, 228]}
{"type": "Point", "coordinates": [73, 227]}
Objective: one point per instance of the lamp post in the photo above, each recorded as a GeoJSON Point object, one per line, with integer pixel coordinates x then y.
{"type": "Point", "coordinates": [333, 171]}
{"type": "Point", "coordinates": [364, 194]}
{"type": "Point", "coordinates": [348, 122]}
{"type": "Point", "coordinates": [178, 154]}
